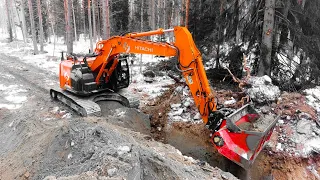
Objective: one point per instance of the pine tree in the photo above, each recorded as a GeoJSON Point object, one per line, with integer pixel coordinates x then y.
{"type": "Point", "coordinates": [33, 28]}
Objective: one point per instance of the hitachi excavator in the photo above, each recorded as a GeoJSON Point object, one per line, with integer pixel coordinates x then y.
{"type": "Point", "coordinates": [95, 77]}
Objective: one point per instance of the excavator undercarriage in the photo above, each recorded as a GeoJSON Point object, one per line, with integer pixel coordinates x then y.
{"type": "Point", "coordinates": [86, 80]}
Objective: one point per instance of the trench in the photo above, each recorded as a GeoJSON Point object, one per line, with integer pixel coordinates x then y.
{"type": "Point", "coordinates": [193, 140]}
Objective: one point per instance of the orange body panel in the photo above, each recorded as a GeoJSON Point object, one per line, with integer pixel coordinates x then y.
{"type": "Point", "coordinates": [64, 73]}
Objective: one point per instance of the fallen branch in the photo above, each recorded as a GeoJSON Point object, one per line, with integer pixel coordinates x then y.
{"type": "Point", "coordinates": [176, 79]}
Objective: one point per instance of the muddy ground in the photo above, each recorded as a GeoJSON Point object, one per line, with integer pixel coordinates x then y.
{"type": "Point", "coordinates": [193, 140]}
{"type": "Point", "coordinates": [43, 138]}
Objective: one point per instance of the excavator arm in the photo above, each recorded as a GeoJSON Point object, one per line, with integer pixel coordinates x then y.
{"type": "Point", "coordinates": [189, 61]}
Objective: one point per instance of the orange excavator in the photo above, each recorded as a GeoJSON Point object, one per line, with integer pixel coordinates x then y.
{"type": "Point", "coordinates": [96, 77]}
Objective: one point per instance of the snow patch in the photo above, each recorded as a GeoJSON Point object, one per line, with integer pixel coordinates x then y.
{"type": "Point", "coordinates": [313, 98]}
{"type": "Point", "coordinates": [12, 96]}
{"type": "Point", "coordinates": [10, 106]}
{"type": "Point", "coordinates": [310, 146]}
{"type": "Point", "coordinates": [16, 99]}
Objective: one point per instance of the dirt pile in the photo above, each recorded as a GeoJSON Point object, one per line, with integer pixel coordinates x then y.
{"type": "Point", "coordinates": [93, 148]}
{"type": "Point", "coordinates": [111, 151]}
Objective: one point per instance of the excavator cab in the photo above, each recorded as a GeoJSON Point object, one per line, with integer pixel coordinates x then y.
{"type": "Point", "coordinates": [243, 134]}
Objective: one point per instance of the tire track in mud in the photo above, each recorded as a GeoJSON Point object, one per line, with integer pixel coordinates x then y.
{"type": "Point", "coordinates": [24, 132]}
{"type": "Point", "coordinates": [28, 74]}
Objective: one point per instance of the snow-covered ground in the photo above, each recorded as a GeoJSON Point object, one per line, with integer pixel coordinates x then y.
{"type": "Point", "coordinates": [50, 59]}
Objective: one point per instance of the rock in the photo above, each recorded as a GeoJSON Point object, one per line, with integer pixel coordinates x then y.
{"type": "Point", "coordinates": [227, 176]}
{"type": "Point", "coordinates": [173, 106]}
{"type": "Point", "coordinates": [316, 130]}
{"type": "Point", "coordinates": [229, 102]}
{"type": "Point", "coordinates": [148, 79]}
{"type": "Point", "coordinates": [178, 112]}
{"type": "Point", "coordinates": [262, 89]}
{"type": "Point", "coordinates": [265, 109]}
{"type": "Point", "coordinates": [177, 118]}
{"type": "Point", "coordinates": [123, 149]}
{"type": "Point", "coordinates": [55, 110]}
{"type": "Point", "coordinates": [264, 93]}
{"type": "Point", "coordinates": [112, 172]}
{"type": "Point", "coordinates": [70, 156]}
{"type": "Point", "coordinates": [312, 145]}
{"type": "Point", "coordinates": [304, 115]}
{"type": "Point", "coordinates": [304, 126]}
{"type": "Point", "coordinates": [279, 147]}
{"type": "Point", "coordinates": [267, 79]}
{"type": "Point", "coordinates": [27, 174]}
{"type": "Point", "coordinates": [179, 89]}
{"type": "Point", "coordinates": [186, 104]}
{"type": "Point", "coordinates": [197, 116]}
{"type": "Point", "coordinates": [50, 178]}
{"type": "Point", "coordinates": [149, 74]}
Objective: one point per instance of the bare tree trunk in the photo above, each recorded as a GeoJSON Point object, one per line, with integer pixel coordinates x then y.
{"type": "Point", "coordinates": [41, 38]}
{"type": "Point", "coordinates": [187, 13]}
{"type": "Point", "coordinates": [94, 21]}
{"type": "Point", "coordinates": [267, 34]}
{"type": "Point", "coordinates": [23, 19]}
{"type": "Point", "coordinates": [74, 23]}
{"type": "Point", "coordinates": [153, 26]}
{"type": "Point", "coordinates": [164, 14]}
{"type": "Point", "coordinates": [99, 23]}
{"type": "Point", "coordinates": [33, 28]}
{"type": "Point", "coordinates": [84, 22]}
{"type": "Point", "coordinates": [106, 20]}
{"type": "Point", "coordinates": [9, 26]}
{"type": "Point", "coordinates": [90, 26]}
{"type": "Point", "coordinates": [182, 12]}
{"type": "Point", "coordinates": [141, 29]}
{"type": "Point", "coordinates": [158, 13]}
{"type": "Point", "coordinates": [303, 3]}
{"type": "Point", "coordinates": [141, 16]}
{"type": "Point", "coordinates": [67, 7]}
{"type": "Point", "coordinates": [236, 32]}
{"type": "Point", "coordinates": [13, 26]}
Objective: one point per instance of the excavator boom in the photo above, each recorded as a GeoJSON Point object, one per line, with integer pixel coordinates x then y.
{"type": "Point", "coordinates": [103, 69]}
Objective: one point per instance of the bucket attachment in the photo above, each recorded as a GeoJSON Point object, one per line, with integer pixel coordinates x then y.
{"type": "Point", "coordinates": [243, 134]}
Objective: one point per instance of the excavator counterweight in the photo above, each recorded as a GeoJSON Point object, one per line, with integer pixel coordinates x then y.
{"type": "Point", "coordinates": [88, 79]}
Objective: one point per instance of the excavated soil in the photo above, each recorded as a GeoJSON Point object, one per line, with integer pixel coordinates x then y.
{"type": "Point", "coordinates": [193, 140]}
{"type": "Point", "coordinates": [259, 125]}
{"type": "Point", "coordinates": [115, 113]}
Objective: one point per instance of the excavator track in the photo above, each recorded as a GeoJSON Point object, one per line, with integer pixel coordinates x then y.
{"type": "Point", "coordinates": [87, 106]}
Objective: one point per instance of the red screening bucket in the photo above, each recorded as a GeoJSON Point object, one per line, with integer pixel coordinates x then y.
{"type": "Point", "coordinates": [243, 134]}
